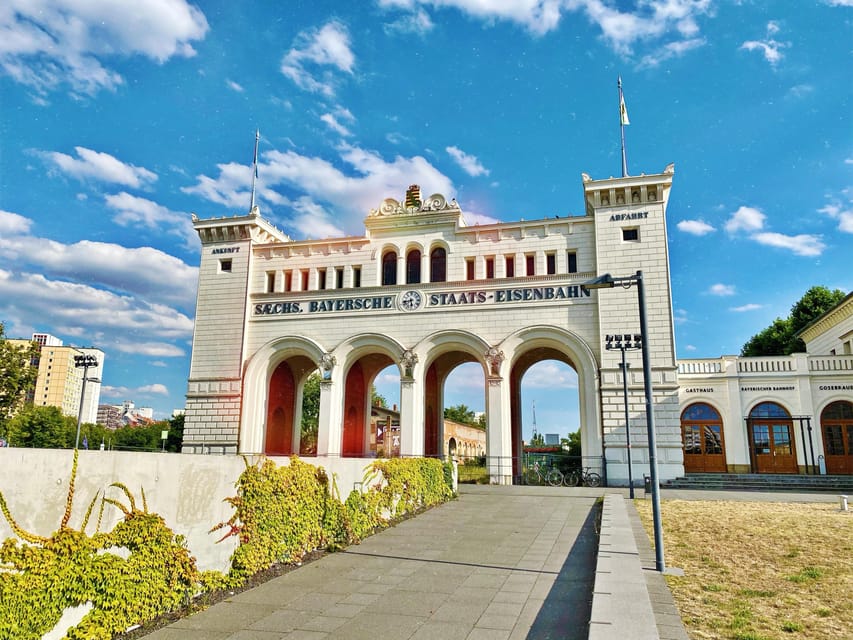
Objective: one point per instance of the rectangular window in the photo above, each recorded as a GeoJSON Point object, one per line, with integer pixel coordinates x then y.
{"type": "Point", "coordinates": [225, 266]}
{"type": "Point", "coordinates": [288, 280]}
{"type": "Point", "coordinates": [510, 266]}
{"type": "Point", "coordinates": [551, 263]}
{"type": "Point", "coordinates": [469, 268]}
{"type": "Point", "coordinates": [631, 234]}
{"type": "Point", "coordinates": [304, 280]}
{"type": "Point", "coordinates": [490, 268]}
{"type": "Point", "coordinates": [530, 264]}
{"type": "Point", "coordinates": [321, 284]}
{"type": "Point", "coordinates": [356, 277]}
{"type": "Point", "coordinates": [572, 262]}
{"type": "Point", "coordinates": [339, 277]}
{"type": "Point", "coordinates": [270, 281]}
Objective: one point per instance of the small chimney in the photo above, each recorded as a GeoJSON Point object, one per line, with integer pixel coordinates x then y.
{"type": "Point", "coordinates": [413, 196]}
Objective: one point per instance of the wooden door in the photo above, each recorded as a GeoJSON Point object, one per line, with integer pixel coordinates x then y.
{"type": "Point", "coordinates": [838, 447]}
{"type": "Point", "coordinates": [773, 447]}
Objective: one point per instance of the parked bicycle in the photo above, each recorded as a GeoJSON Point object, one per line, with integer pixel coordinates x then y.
{"type": "Point", "coordinates": [583, 477]}
{"type": "Point", "coordinates": [540, 474]}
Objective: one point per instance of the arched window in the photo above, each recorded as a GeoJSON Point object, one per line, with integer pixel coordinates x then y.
{"type": "Point", "coordinates": [702, 437]}
{"type": "Point", "coordinates": [413, 267]}
{"type": "Point", "coordinates": [438, 265]}
{"type": "Point", "coordinates": [389, 267]}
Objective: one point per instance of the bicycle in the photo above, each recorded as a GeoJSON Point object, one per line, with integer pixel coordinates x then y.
{"type": "Point", "coordinates": [537, 474]}
{"type": "Point", "coordinates": [584, 477]}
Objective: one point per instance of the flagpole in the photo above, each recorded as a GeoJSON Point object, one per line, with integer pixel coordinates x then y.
{"type": "Point", "coordinates": [255, 167]}
{"type": "Point", "coordinates": [623, 120]}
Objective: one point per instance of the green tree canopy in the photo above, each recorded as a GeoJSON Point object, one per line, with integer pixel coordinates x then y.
{"type": "Point", "coordinates": [780, 338]}
{"type": "Point", "coordinates": [17, 374]}
{"type": "Point", "coordinates": [462, 414]}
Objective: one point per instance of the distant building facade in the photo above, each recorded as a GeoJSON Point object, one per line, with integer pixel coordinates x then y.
{"type": "Point", "coordinates": [60, 382]}
{"type": "Point", "coordinates": [781, 414]}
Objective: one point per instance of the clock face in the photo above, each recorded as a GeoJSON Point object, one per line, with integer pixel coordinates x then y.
{"type": "Point", "coordinates": [410, 300]}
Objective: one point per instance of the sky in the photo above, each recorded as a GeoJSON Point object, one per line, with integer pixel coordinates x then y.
{"type": "Point", "coordinates": [117, 120]}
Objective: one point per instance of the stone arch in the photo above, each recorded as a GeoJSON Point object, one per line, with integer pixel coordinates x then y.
{"type": "Point", "coordinates": [257, 376]}
{"type": "Point", "coordinates": [533, 344]}
{"type": "Point", "coordinates": [362, 358]}
{"type": "Point", "coordinates": [442, 352]}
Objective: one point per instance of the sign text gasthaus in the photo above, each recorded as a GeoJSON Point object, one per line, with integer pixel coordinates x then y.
{"type": "Point", "coordinates": [413, 300]}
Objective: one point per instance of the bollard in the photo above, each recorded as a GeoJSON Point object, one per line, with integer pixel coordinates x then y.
{"type": "Point", "coordinates": [842, 503]}
{"type": "Point", "coordinates": [647, 485]}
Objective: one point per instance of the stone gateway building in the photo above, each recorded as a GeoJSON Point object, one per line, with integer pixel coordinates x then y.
{"type": "Point", "coordinates": [424, 291]}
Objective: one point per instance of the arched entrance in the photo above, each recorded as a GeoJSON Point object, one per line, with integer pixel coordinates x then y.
{"type": "Point", "coordinates": [284, 406]}
{"type": "Point", "coordinates": [358, 439]}
{"type": "Point", "coordinates": [536, 359]}
{"type": "Point", "coordinates": [702, 436]}
{"type": "Point", "coordinates": [435, 382]}
{"type": "Point", "coordinates": [836, 425]}
{"type": "Point", "coordinates": [770, 430]}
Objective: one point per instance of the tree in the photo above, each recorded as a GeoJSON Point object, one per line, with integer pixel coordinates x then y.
{"type": "Point", "coordinates": [17, 374]}
{"type": "Point", "coordinates": [780, 338]}
{"type": "Point", "coordinates": [377, 399]}
{"type": "Point", "coordinates": [310, 415]}
{"type": "Point", "coordinates": [538, 440]}
{"type": "Point", "coordinates": [573, 442]}
{"type": "Point", "coordinates": [41, 427]}
{"type": "Point", "coordinates": [461, 414]}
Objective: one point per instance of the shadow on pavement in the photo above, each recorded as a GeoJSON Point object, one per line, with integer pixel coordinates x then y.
{"type": "Point", "coordinates": [567, 608]}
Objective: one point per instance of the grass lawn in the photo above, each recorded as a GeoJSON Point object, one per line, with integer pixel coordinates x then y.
{"type": "Point", "coordinates": [759, 571]}
{"type": "Point", "coordinates": [473, 474]}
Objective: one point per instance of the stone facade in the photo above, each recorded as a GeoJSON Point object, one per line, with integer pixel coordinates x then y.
{"type": "Point", "coordinates": [425, 291]}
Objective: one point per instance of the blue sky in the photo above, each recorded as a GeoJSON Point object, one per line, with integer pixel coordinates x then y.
{"type": "Point", "coordinates": [117, 120]}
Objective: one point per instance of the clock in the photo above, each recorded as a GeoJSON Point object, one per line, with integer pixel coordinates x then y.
{"type": "Point", "coordinates": [410, 300]}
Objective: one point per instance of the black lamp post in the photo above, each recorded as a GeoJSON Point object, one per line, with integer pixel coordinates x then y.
{"type": "Point", "coordinates": [84, 362]}
{"type": "Point", "coordinates": [608, 282]}
{"type": "Point", "coordinates": [625, 342]}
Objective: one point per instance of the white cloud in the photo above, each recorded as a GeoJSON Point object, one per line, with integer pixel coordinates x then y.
{"type": "Point", "coordinates": [746, 307]}
{"type": "Point", "coordinates": [549, 374]}
{"type": "Point", "coordinates": [141, 212]}
{"type": "Point", "coordinates": [680, 316]}
{"type": "Point", "coordinates": [319, 52]}
{"type": "Point", "coordinates": [472, 218]}
{"type": "Point", "coordinates": [721, 290]}
{"type": "Point", "coordinates": [469, 163]}
{"type": "Point", "coordinates": [101, 167]}
{"type": "Point", "coordinates": [840, 3]}
{"type": "Point", "coordinates": [108, 391]}
{"type": "Point", "coordinates": [14, 224]}
{"type": "Point", "coordinates": [841, 212]}
{"type": "Point", "coordinates": [651, 21]}
{"type": "Point", "coordinates": [145, 272]}
{"type": "Point", "coordinates": [746, 219]}
{"type": "Point", "coordinates": [234, 86]}
{"type": "Point", "coordinates": [690, 347]}
{"type": "Point", "coordinates": [695, 227]}
{"type": "Point", "coordinates": [418, 22]}
{"type": "Point", "coordinates": [801, 245]}
{"type": "Point", "coordinates": [770, 48]}
{"type": "Point", "coordinates": [83, 310]}
{"type": "Point", "coordinates": [48, 43]}
{"type": "Point", "coordinates": [671, 50]}
{"type": "Point", "coordinates": [333, 120]}
{"type": "Point", "coordinates": [322, 186]}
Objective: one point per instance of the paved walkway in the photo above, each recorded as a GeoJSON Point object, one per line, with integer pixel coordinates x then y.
{"type": "Point", "coordinates": [494, 564]}
{"type": "Point", "coordinates": [498, 563]}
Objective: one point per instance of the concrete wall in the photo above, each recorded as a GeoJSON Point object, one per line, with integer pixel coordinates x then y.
{"type": "Point", "coordinates": [188, 491]}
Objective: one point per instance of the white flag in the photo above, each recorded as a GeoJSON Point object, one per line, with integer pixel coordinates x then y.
{"type": "Point", "coordinates": [623, 110]}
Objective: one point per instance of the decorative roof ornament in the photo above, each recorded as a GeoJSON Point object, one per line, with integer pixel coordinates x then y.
{"type": "Point", "coordinates": [414, 204]}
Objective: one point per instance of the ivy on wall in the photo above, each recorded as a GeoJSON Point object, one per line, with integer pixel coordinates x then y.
{"type": "Point", "coordinates": [142, 569]}
{"type": "Point", "coordinates": [43, 576]}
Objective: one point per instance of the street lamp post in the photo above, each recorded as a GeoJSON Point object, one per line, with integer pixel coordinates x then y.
{"type": "Point", "coordinates": [608, 282]}
{"type": "Point", "coordinates": [625, 342]}
{"type": "Point", "coordinates": [83, 362]}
